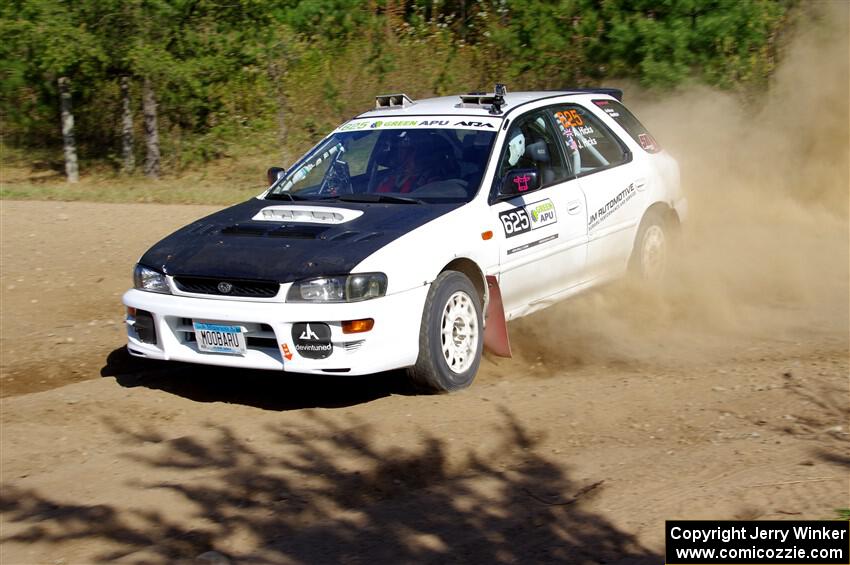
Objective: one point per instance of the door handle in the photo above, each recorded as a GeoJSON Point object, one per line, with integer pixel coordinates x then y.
{"type": "Point", "coordinates": [574, 207]}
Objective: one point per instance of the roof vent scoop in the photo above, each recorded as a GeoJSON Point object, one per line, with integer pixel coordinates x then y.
{"type": "Point", "coordinates": [392, 101]}
{"type": "Point", "coordinates": [494, 101]}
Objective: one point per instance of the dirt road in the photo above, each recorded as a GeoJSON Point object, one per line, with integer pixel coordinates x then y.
{"type": "Point", "coordinates": [576, 450]}
{"type": "Point", "coordinates": [722, 395]}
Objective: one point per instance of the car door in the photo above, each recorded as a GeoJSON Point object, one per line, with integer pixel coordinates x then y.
{"type": "Point", "coordinates": [612, 186]}
{"type": "Point", "coordinates": [542, 234]}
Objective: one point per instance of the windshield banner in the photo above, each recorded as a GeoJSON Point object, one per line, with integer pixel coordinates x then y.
{"type": "Point", "coordinates": [445, 122]}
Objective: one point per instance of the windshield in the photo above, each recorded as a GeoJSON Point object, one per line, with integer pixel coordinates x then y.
{"type": "Point", "coordinates": [401, 165]}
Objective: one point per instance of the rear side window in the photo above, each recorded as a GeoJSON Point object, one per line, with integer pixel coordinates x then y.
{"type": "Point", "coordinates": [590, 145]}
{"type": "Point", "coordinates": [630, 123]}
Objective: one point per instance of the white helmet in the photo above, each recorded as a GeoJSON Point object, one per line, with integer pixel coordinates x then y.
{"type": "Point", "coordinates": [516, 148]}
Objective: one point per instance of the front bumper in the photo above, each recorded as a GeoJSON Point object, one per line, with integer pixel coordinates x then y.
{"type": "Point", "coordinates": [392, 343]}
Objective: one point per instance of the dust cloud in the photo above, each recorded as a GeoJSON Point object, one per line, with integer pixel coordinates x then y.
{"type": "Point", "coordinates": [764, 252]}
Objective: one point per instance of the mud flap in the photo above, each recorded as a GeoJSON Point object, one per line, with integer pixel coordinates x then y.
{"type": "Point", "coordinates": [496, 331]}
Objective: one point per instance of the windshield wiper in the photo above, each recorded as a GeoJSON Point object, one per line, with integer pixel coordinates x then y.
{"type": "Point", "coordinates": [380, 198]}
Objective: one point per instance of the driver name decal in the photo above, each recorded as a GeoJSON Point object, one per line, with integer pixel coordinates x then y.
{"type": "Point", "coordinates": [523, 219]}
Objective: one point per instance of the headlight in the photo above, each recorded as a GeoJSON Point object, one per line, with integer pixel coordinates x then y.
{"type": "Point", "coordinates": [344, 288]}
{"type": "Point", "coordinates": [150, 280]}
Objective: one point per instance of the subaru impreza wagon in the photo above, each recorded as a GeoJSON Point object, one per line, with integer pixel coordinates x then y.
{"type": "Point", "coordinates": [410, 235]}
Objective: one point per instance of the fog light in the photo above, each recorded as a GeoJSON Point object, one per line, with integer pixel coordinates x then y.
{"type": "Point", "coordinates": [357, 326]}
{"type": "Point", "coordinates": [144, 327]}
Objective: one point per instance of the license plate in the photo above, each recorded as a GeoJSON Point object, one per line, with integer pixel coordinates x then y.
{"type": "Point", "coordinates": [219, 338]}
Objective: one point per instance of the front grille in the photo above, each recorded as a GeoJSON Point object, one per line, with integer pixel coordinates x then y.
{"type": "Point", "coordinates": [241, 288]}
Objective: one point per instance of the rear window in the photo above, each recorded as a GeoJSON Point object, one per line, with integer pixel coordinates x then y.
{"type": "Point", "coordinates": [630, 123]}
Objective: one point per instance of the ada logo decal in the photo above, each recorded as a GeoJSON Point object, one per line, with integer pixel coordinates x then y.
{"type": "Point", "coordinates": [474, 125]}
{"type": "Point", "coordinates": [529, 217]}
{"type": "Point", "coordinates": [312, 340]}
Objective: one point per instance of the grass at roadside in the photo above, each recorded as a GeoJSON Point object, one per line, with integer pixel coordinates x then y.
{"type": "Point", "coordinates": [181, 190]}
{"type": "Point", "coordinates": [221, 182]}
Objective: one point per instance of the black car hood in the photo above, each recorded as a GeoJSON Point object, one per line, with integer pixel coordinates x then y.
{"type": "Point", "coordinates": [229, 244]}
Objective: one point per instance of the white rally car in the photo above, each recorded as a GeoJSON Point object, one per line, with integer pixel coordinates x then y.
{"type": "Point", "coordinates": [409, 236]}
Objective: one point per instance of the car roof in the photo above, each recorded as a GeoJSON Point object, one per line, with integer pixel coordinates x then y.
{"type": "Point", "coordinates": [451, 105]}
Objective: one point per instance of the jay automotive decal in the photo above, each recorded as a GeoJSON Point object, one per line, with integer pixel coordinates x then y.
{"type": "Point", "coordinates": [611, 206]}
{"type": "Point", "coordinates": [312, 340]}
{"type": "Point", "coordinates": [529, 217]}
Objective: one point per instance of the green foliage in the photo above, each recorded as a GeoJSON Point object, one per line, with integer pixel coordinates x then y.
{"type": "Point", "coordinates": [227, 75]}
{"type": "Point", "coordinates": [548, 44]}
{"type": "Point", "coordinates": [331, 19]}
{"type": "Point", "coordinates": [723, 42]}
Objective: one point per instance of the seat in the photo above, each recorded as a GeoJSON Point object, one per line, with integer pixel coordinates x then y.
{"type": "Point", "coordinates": [439, 162]}
{"type": "Point", "coordinates": [538, 152]}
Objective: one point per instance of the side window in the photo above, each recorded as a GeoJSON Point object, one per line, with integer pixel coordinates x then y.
{"type": "Point", "coordinates": [531, 144]}
{"type": "Point", "coordinates": [630, 123]}
{"type": "Point", "coordinates": [590, 146]}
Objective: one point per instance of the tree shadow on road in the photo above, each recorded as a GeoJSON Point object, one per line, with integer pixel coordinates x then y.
{"type": "Point", "coordinates": [820, 416]}
{"type": "Point", "coordinates": [331, 492]}
{"type": "Point", "coordinates": [269, 390]}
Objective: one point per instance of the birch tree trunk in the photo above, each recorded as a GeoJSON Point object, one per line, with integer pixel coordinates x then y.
{"type": "Point", "coordinates": [277, 79]}
{"type": "Point", "coordinates": [151, 131]}
{"type": "Point", "coordinates": [128, 156]}
{"type": "Point", "coordinates": [72, 171]}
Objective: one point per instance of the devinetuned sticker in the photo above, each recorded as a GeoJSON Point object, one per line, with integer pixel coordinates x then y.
{"type": "Point", "coordinates": [813, 542]}
{"type": "Point", "coordinates": [312, 340]}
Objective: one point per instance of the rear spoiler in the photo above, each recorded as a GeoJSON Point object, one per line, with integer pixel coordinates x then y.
{"type": "Point", "coordinates": [613, 92]}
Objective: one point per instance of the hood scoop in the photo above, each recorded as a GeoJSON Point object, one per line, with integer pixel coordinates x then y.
{"type": "Point", "coordinates": [286, 231]}
{"type": "Point", "coordinates": [307, 214]}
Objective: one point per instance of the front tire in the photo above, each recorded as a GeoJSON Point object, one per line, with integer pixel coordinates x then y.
{"type": "Point", "coordinates": [451, 337]}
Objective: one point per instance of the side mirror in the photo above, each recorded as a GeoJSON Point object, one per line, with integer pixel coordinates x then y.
{"type": "Point", "coordinates": [274, 174]}
{"type": "Point", "coordinates": [518, 182]}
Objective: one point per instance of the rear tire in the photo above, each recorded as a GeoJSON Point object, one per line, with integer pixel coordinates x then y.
{"type": "Point", "coordinates": [451, 337]}
{"type": "Point", "coordinates": [651, 253]}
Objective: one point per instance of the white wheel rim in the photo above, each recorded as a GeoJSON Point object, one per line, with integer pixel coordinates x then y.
{"type": "Point", "coordinates": [654, 253]}
{"type": "Point", "coordinates": [459, 332]}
